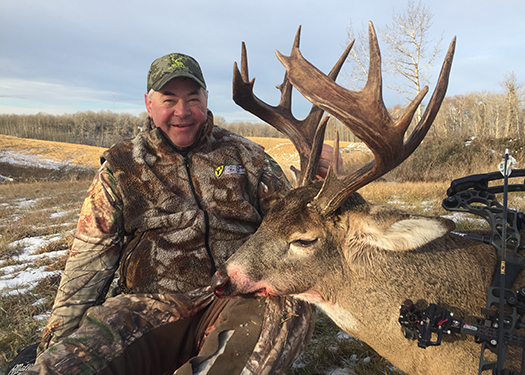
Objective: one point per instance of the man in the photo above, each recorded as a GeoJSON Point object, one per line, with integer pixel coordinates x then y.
{"type": "Point", "coordinates": [165, 209]}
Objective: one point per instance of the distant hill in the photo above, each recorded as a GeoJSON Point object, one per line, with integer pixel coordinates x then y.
{"type": "Point", "coordinates": [24, 158]}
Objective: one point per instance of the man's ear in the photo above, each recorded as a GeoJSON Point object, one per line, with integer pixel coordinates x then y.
{"type": "Point", "coordinates": [205, 96]}
{"type": "Point", "coordinates": [147, 102]}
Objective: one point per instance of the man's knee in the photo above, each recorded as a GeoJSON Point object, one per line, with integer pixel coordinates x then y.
{"type": "Point", "coordinates": [252, 336]}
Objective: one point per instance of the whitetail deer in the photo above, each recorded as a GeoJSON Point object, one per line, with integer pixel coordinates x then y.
{"type": "Point", "coordinates": [358, 262]}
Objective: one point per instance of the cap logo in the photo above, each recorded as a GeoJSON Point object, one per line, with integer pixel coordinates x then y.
{"type": "Point", "coordinates": [177, 62]}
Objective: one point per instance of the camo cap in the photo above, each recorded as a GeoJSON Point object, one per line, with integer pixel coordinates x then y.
{"type": "Point", "coordinates": [174, 65]}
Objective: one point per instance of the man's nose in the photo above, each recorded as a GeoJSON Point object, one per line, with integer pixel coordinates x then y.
{"type": "Point", "coordinates": [181, 109]}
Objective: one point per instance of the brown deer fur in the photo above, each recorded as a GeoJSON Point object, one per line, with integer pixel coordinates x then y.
{"type": "Point", "coordinates": [359, 264]}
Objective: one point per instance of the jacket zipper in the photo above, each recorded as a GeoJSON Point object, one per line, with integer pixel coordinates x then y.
{"type": "Point", "coordinates": [206, 217]}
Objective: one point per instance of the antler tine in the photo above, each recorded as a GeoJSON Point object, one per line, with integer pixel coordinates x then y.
{"type": "Point", "coordinates": [302, 133]}
{"type": "Point", "coordinates": [365, 114]}
{"type": "Point", "coordinates": [311, 170]}
{"type": "Point", "coordinates": [244, 64]}
{"type": "Point", "coordinates": [286, 86]}
{"type": "Point", "coordinates": [339, 64]}
{"type": "Point", "coordinates": [310, 126]}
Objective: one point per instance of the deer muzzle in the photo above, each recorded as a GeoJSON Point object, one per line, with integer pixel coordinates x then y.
{"type": "Point", "coordinates": [220, 285]}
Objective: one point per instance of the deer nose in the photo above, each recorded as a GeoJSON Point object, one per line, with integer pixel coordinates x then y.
{"type": "Point", "coordinates": [219, 283]}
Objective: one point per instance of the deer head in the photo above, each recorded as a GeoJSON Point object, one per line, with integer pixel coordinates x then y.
{"type": "Point", "coordinates": [306, 223]}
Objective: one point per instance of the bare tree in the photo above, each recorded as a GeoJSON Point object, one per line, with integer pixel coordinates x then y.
{"type": "Point", "coordinates": [360, 56]}
{"type": "Point", "coordinates": [409, 53]}
{"type": "Point", "coordinates": [409, 40]}
{"type": "Point", "coordinates": [513, 94]}
{"type": "Point", "coordinates": [477, 114]}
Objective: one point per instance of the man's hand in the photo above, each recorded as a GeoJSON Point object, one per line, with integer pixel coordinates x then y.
{"type": "Point", "coordinates": [326, 158]}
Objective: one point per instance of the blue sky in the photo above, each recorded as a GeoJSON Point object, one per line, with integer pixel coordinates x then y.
{"type": "Point", "coordinates": [65, 56]}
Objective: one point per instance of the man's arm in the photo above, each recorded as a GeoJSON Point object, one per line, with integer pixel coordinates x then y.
{"type": "Point", "coordinates": [93, 259]}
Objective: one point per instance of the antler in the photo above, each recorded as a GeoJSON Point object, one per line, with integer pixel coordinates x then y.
{"type": "Point", "coordinates": [307, 135]}
{"type": "Point", "coordinates": [365, 114]}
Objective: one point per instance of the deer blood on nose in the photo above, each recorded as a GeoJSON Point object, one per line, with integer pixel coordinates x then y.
{"type": "Point", "coordinates": [218, 291]}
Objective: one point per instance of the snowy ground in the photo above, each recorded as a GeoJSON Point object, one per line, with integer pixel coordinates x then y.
{"type": "Point", "coordinates": [20, 277]}
{"type": "Point", "coordinates": [23, 159]}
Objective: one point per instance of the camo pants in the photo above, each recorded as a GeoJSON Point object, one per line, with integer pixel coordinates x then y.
{"type": "Point", "coordinates": [159, 334]}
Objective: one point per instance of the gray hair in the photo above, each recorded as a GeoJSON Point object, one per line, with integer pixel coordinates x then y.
{"type": "Point", "coordinates": [150, 93]}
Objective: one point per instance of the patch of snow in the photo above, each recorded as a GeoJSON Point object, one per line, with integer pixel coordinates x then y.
{"type": "Point", "coordinates": [58, 214]}
{"type": "Point", "coordinates": [299, 363]}
{"type": "Point", "coordinates": [355, 146]}
{"type": "Point", "coordinates": [395, 201]}
{"type": "Point", "coordinates": [17, 158]}
{"type": "Point", "coordinates": [22, 276]}
{"type": "Point", "coordinates": [26, 203]}
{"type": "Point", "coordinates": [41, 301]}
{"type": "Point", "coordinates": [30, 245]}
{"type": "Point", "coordinates": [469, 142]}
{"type": "Point", "coordinates": [42, 317]}
{"type": "Point", "coordinates": [18, 282]}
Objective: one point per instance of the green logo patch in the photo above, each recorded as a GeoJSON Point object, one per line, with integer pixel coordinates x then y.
{"type": "Point", "coordinates": [177, 62]}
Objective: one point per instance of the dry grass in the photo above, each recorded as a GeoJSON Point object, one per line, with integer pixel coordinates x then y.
{"type": "Point", "coordinates": [45, 211]}
{"type": "Point", "coordinates": [279, 148]}
{"type": "Point", "coordinates": [452, 158]}
{"type": "Point", "coordinates": [331, 349]}
{"type": "Point", "coordinates": [87, 156]}
{"type": "Point", "coordinates": [422, 197]}
{"type": "Point", "coordinates": [36, 209]}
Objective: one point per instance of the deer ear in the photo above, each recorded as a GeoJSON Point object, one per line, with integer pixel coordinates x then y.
{"type": "Point", "coordinates": [411, 233]}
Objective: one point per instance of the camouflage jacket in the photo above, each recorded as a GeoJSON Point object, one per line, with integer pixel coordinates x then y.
{"type": "Point", "coordinates": [166, 217]}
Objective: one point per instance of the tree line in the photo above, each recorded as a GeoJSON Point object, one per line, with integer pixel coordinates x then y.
{"type": "Point", "coordinates": [484, 114]}
{"type": "Point", "coordinates": [479, 114]}
{"type": "Point", "coordinates": [102, 128]}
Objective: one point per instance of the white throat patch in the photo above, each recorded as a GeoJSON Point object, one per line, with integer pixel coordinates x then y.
{"type": "Point", "coordinates": [342, 317]}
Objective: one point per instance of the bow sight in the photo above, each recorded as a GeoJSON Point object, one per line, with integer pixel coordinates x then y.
{"type": "Point", "coordinates": [427, 324]}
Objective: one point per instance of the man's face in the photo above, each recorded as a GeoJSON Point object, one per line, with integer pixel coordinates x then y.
{"type": "Point", "coordinates": [179, 109]}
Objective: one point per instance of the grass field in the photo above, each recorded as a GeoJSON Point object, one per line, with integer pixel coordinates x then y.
{"type": "Point", "coordinates": [38, 218]}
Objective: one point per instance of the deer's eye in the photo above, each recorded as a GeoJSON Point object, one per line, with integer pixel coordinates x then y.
{"type": "Point", "coordinates": [304, 243]}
